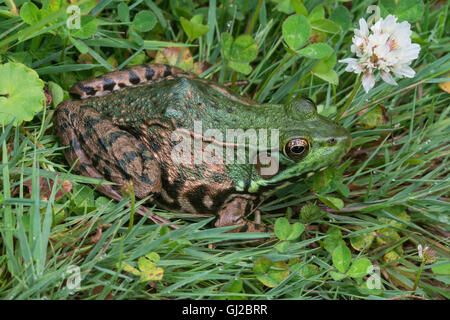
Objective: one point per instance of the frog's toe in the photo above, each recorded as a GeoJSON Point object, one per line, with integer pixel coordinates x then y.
{"type": "Point", "coordinates": [233, 214]}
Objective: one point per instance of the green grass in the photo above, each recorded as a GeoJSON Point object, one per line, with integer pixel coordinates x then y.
{"type": "Point", "coordinates": [394, 182]}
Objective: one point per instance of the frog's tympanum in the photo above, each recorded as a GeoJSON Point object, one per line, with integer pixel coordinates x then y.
{"type": "Point", "coordinates": [122, 130]}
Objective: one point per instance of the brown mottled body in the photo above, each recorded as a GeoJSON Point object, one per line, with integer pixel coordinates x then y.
{"type": "Point", "coordinates": [112, 139]}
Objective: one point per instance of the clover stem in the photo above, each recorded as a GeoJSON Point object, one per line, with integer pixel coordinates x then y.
{"type": "Point", "coordinates": [416, 283]}
{"type": "Point", "coordinates": [350, 99]}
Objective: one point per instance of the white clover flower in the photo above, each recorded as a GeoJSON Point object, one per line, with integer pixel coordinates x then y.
{"type": "Point", "coordinates": [420, 250]}
{"type": "Point", "coordinates": [387, 47]}
{"type": "Point", "coordinates": [427, 254]}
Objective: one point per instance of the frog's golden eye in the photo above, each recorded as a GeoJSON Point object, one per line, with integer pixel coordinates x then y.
{"type": "Point", "coordinates": [296, 149]}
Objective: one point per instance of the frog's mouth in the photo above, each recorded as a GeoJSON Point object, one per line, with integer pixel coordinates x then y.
{"type": "Point", "coordinates": [294, 178]}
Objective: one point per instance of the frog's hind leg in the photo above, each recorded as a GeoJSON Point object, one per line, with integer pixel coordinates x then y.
{"type": "Point", "coordinates": [103, 150]}
{"type": "Point", "coordinates": [134, 76]}
{"type": "Point", "coordinates": [234, 212]}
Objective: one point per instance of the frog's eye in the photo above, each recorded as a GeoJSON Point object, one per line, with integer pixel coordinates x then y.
{"type": "Point", "coordinates": [296, 149]}
{"type": "Point", "coordinates": [310, 101]}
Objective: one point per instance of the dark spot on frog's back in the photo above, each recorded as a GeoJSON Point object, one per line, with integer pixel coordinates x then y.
{"type": "Point", "coordinates": [145, 178]}
{"type": "Point", "coordinates": [107, 173]}
{"type": "Point", "coordinates": [129, 156]}
{"type": "Point", "coordinates": [65, 110]}
{"type": "Point", "coordinates": [219, 198]}
{"type": "Point", "coordinates": [73, 116]}
{"type": "Point", "coordinates": [116, 135]}
{"type": "Point", "coordinates": [172, 189]}
{"type": "Point", "coordinates": [168, 71]}
{"type": "Point", "coordinates": [196, 196]}
{"type": "Point", "coordinates": [155, 147]}
{"type": "Point", "coordinates": [88, 90]}
{"type": "Point", "coordinates": [149, 73]}
{"type": "Point", "coordinates": [64, 125]}
{"type": "Point", "coordinates": [108, 84]}
{"type": "Point", "coordinates": [75, 145]}
{"type": "Point", "coordinates": [92, 122]}
{"type": "Point", "coordinates": [134, 79]}
{"type": "Point", "coordinates": [102, 142]}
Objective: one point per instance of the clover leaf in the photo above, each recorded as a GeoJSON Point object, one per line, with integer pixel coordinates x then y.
{"type": "Point", "coordinates": [296, 31]}
{"type": "Point", "coordinates": [342, 258]}
{"type": "Point", "coordinates": [269, 273]}
{"type": "Point", "coordinates": [194, 28]}
{"type": "Point", "coordinates": [239, 52]}
{"type": "Point", "coordinates": [286, 231]}
{"type": "Point", "coordinates": [147, 269]}
{"type": "Point", "coordinates": [144, 21]}
{"type": "Point", "coordinates": [21, 93]}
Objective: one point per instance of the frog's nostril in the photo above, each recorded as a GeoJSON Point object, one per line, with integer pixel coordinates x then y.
{"type": "Point", "coordinates": [332, 141]}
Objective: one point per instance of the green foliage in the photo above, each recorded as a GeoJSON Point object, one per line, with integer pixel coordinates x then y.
{"type": "Point", "coordinates": [123, 12]}
{"type": "Point", "coordinates": [15, 103]}
{"type": "Point", "coordinates": [333, 240]}
{"type": "Point", "coordinates": [270, 273]}
{"type": "Point", "coordinates": [299, 29]}
{"type": "Point", "coordinates": [239, 52]}
{"type": "Point", "coordinates": [146, 268]}
{"type": "Point", "coordinates": [144, 21]}
{"type": "Point", "coordinates": [310, 213]}
{"type": "Point", "coordinates": [317, 51]}
{"type": "Point", "coordinates": [331, 202]}
{"type": "Point", "coordinates": [88, 28]}
{"type": "Point", "coordinates": [393, 181]}
{"type": "Point", "coordinates": [361, 241]}
{"type": "Point", "coordinates": [30, 13]}
{"type": "Point", "coordinates": [286, 232]}
{"type": "Point", "coordinates": [342, 17]}
{"type": "Point", "coordinates": [194, 28]}
{"type": "Point", "coordinates": [296, 31]}
{"type": "Point", "coordinates": [409, 10]}
{"type": "Point", "coordinates": [342, 259]}
{"type": "Point", "coordinates": [56, 92]}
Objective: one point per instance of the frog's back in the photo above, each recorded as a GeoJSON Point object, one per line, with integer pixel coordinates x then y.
{"type": "Point", "coordinates": [165, 94]}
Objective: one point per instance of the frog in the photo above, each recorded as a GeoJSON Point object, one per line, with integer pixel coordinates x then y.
{"type": "Point", "coordinates": [120, 127]}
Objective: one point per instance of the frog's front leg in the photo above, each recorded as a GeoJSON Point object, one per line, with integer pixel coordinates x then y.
{"type": "Point", "coordinates": [101, 149]}
{"type": "Point", "coordinates": [234, 212]}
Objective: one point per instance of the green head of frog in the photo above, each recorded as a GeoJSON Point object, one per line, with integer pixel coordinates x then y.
{"type": "Point", "coordinates": [308, 142]}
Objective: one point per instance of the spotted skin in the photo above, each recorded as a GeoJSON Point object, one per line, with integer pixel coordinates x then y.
{"type": "Point", "coordinates": [128, 77]}
{"type": "Point", "coordinates": [122, 131]}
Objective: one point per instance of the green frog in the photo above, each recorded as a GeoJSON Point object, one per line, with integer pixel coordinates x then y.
{"type": "Point", "coordinates": [131, 126]}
